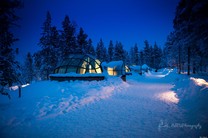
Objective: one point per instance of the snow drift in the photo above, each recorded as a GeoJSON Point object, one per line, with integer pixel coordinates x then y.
{"type": "Point", "coordinates": [162, 104]}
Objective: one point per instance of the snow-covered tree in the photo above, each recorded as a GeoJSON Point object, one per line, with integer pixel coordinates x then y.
{"type": "Point", "coordinates": [147, 53]}
{"type": "Point", "coordinates": [9, 67]}
{"type": "Point", "coordinates": [82, 46]}
{"type": "Point", "coordinates": [136, 55]}
{"type": "Point", "coordinates": [141, 57]}
{"type": "Point", "coordinates": [68, 38]}
{"type": "Point", "coordinates": [28, 72]}
{"type": "Point", "coordinates": [38, 59]}
{"type": "Point", "coordinates": [127, 58]}
{"type": "Point", "coordinates": [48, 44]}
{"type": "Point", "coordinates": [157, 56]}
{"type": "Point", "coordinates": [131, 52]}
{"type": "Point", "coordinates": [151, 57]}
{"type": "Point", "coordinates": [101, 52]}
{"type": "Point", "coordinates": [110, 51]}
{"type": "Point", "coordinates": [170, 51]}
{"type": "Point", "coordinates": [119, 51]}
{"type": "Point", "coordinates": [55, 41]}
{"type": "Point", "coordinates": [105, 55]}
{"type": "Point", "coordinates": [191, 32]}
{"type": "Point", "coordinates": [91, 49]}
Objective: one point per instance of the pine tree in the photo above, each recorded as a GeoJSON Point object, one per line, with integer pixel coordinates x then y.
{"type": "Point", "coordinates": [171, 51]}
{"type": "Point", "coordinates": [45, 38]}
{"type": "Point", "coordinates": [7, 39]}
{"type": "Point", "coordinates": [28, 69]}
{"type": "Point", "coordinates": [157, 54]}
{"type": "Point", "coordinates": [119, 51]}
{"type": "Point", "coordinates": [101, 51]}
{"type": "Point", "coordinates": [48, 52]}
{"type": "Point", "coordinates": [151, 57]}
{"type": "Point", "coordinates": [110, 51]}
{"type": "Point", "coordinates": [141, 57]}
{"type": "Point", "coordinates": [191, 31]}
{"type": "Point", "coordinates": [68, 38]}
{"type": "Point", "coordinates": [91, 49]}
{"type": "Point", "coordinates": [38, 59]}
{"type": "Point", "coordinates": [147, 53]}
{"type": "Point", "coordinates": [45, 43]}
{"type": "Point", "coordinates": [132, 55]}
{"type": "Point", "coordinates": [82, 46]}
{"type": "Point", "coordinates": [136, 55]}
{"type": "Point", "coordinates": [105, 56]}
{"type": "Point", "coordinates": [55, 42]}
{"type": "Point", "coordinates": [163, 63]}
{"type": "Point", "coordinates": [127, 58]}
{"type": "Point", "coordinates": [8, 65]}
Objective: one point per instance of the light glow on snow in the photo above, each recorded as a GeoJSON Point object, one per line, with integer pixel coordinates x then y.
{"type": "Point", "coordinates": [25, 85]}
{"type": "Point", "coordinates": [161, 74]}
{"type": "Point", "coordinates": [169, 97]}
{"type": "Point", "coordinates": [137, 105]}
{"type": "Point", "coordinates": [199, 82]}
{"type": "Point", "coordinates": [14, 88]}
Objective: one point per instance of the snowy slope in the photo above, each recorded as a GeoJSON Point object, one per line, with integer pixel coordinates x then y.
{"type": "Point", "coordinates": [155, 104]}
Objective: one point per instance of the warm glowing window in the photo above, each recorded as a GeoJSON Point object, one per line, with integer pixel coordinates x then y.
{"type": "Point", "coordinates": [79, 64]}
{"type": "Point", "coordinates": [112, 72]}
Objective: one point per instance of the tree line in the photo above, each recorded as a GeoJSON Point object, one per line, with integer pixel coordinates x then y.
{"type": "Point", "coordinates": [187, 46]}
{"type": "Point", "coordinates": [56, 45]}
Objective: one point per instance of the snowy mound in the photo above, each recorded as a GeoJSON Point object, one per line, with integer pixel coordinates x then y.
{"type": "Point", "coordinates": [192, 88]}
{"type": "Point", "coordinates": [160, 74]}
{"type": "Point", "coordinates": [145, 67]}
{"type": "Point", "coordinates": [194, 92]}
{"type": "Point", "coordinates": [50, 98]}
{"type": "Point", "coordinates": [145, 106]}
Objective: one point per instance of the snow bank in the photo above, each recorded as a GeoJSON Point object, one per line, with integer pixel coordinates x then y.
{"type": "Point", "coordinates": [191, 88]}
{"type": "Point", "coordinates": [200, 82]}
{"type": "Point", "coordinates": [193, 93]}
{"type": "Point", "coordinates": [144, 106]}
{"type": "Point", "coordinates": [73, 74]}
{"type": "Point", "coordinates": [169, 96]}
{"type": "Point", "coordinates": [48, 99]}
{"type": "Point", "coordinates": [160, 74]}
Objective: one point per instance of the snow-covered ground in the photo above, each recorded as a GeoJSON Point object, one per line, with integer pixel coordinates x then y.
{"type": "Point", "coordinates": [161, 104]}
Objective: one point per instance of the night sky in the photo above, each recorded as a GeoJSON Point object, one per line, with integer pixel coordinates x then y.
{"type": "Point", "coordinates": [127, 21]}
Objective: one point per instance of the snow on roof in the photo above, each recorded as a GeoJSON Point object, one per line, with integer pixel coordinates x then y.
{"type": "Point", "coordinates": [135, 67]}
{"type": "Point", "coordinates": [114, 63]}
{"type": "Point", "coordinates": [145, 66]}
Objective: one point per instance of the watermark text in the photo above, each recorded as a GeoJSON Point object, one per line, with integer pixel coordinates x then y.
{"type": "Point", "coordinates": [164, 125]}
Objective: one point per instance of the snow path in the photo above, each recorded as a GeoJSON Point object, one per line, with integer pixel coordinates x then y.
{"type": "Point", "coordinates": [143, 107]}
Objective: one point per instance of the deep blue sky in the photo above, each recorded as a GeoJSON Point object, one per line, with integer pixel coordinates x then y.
{"type": "Point", "coordinates": [128, 21]}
